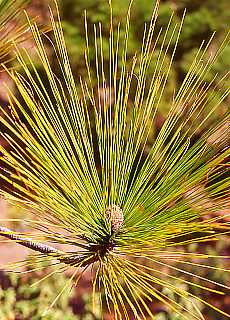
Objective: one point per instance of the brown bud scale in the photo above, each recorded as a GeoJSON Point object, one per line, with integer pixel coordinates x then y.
{"type": "Point", "coordinates": [114, 214]}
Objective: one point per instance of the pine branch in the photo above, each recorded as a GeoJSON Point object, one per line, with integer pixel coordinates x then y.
{"type": "Point", "coordinates": [42, 248]}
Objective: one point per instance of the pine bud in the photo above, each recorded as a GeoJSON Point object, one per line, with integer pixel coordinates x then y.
{"type": "Point", "coordinates": [114, 214]}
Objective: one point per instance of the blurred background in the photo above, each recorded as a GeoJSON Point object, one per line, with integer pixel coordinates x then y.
{"type": "Point", "coordinates": [17, 299]}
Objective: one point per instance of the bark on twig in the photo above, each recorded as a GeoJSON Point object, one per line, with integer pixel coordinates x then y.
{"type": "Point", "coordinates": [42, 248]}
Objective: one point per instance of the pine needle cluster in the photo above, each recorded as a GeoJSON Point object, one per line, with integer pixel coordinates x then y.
{"type": "Point", "coordinates": [78, 162]}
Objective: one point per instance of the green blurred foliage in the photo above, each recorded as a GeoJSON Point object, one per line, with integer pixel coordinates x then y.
{"type": "Point", "coordinates": [203, 18]}
{"type": "Point", "coordinates": [21, 301]}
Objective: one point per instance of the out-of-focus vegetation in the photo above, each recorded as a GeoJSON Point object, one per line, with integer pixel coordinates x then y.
{"type": "Point", "coordinates": [20, 301]}
{"type": "Point", "coordinates": [203, 18]}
